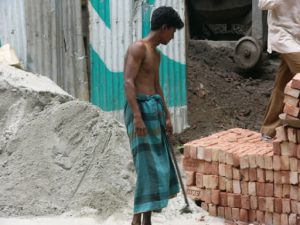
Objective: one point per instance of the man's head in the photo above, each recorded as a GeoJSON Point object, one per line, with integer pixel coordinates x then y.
{"type": "Point", "coordinates": [166, 20]}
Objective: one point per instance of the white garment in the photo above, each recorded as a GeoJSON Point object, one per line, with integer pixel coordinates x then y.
{"type": "Point", "coordinates": [284, 25]}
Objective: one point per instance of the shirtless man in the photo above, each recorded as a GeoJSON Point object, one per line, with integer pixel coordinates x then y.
{"type": "Point", "coordinates": [147, 117]}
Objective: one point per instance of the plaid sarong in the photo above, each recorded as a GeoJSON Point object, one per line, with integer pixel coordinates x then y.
{"type": "Point", "coordinates": [156, 178]}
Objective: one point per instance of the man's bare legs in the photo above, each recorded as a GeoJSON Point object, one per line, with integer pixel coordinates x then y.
{"type": "Point", "coordinates": [136, 220]}
{"type": "Point", "coordinates": [147, 218]}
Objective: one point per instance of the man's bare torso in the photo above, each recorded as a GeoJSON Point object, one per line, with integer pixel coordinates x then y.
{"type": "Point", "coordinates": [148, 71]}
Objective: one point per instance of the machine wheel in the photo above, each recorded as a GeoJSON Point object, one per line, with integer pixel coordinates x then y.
{"type": "Point", "coordinates": [247, 52]}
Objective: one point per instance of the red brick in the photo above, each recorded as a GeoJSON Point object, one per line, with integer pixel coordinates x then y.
{"type": "Point", "coordinates": [261, 175]}
{"type": "Point", "coordinates": [212, 209]}
{"type": "Point", "coordinates": [244, 215]}
{"type": "Point", "coordinates": [285, 116]}
{"type": "Point", "coordinates": [207, 168]}
{"type": "Point", "coordinates": [293, 219]}
{"type": "Point", "coordinates": [295, 83]}
{"type": "Point", "coordinates": [269, 189]}
{"type": "Point", "coordinates": [194, 192]}
{"type": "Point", "coordinates": [215, 155]}
{"type": "Point", "coordinates": [285, 163]}
{"type": "Point", "coordinates": [190, 164]}
{"type": "Point", "coordinates": [215, 197]}
{"type": "Point", "coordinates": [253, 202]}
{"type": "Point", "coordinates": [278, 190]}
{"type": "Point", "coordinates": [291, 110]}
{"type": "Point", "coordinates": [223, 199]}
{"type": "Point", "coordinates": [252, 188]}
{"type": "Point", "coordinates": [207, 196]}
{"type": "Point", "coordinates": [294, 206]}
{"type": "Point", "coordinates": [244, 187]}
{"type": "Point", "coordinates": [292, 134]}
{"type": "Point", "coordinates": [186, 150]}
{"type": "Point", "coordinates": [193, 151]}
{"type": "Point", "coordinates": [260, 161]}
{"type": "Point", "coordinates": [236, 173]}
{"type": "Point", "coordinates": [284, 219]}
{"type": "Point", "coordinates": [298, 151]}
{"type": "Point", "coordinates": [277, 219]}
{"type": "Point", "coordinates": [268, 218]}
{"type": "Point", "coordinates": [260, 216]}
{"type": "Point", "coordinates": [222, 183]}
{"type": "Point", "coordinates": [260, 189]}
{"type": "Point", "coordinates": [278, 205]}
{"type": "Point", "coordinates": [190, 178]}
{"type": "Point", "coordinates": [245, 174]}
{"type": "Point", "coordinates": [244, 162]}
{"type": "Point", "coordinates": [288, 90]}
{"type": "Point", "coordinates": [252, 161]}
{"type": "Point", "coordinates": [236, 186]}
{"type": "Point", "coordinates": [276, 162]}
{"type": "Point", "coordinates": [262, 203]}
{"type": "Point", "coordinates": [286, 191]}
{"type": "Point", "coordinates": [215, 168]}
{"type": "Point", "coordinates": [199, 180]}
{"type": "Point", "coordinates": [245, 201]}
{"type": "Point", "coordinates": [228, 171]}
{"type": "Point", "coordinates": [277, 177]}
{"type": "Point", "coordinates": [252, 215]}
{"type": "Point", "coordinates": [270, 204]}
{"type": "Point", "coordinates": [235, 213]}
{"type": "Point", "coordinates": [234, 200]}
{"type": "Point", "coordinates": [222, 170]}
{"type": "Point", "coordinates": [276, 147]}
{"type": "Point", "coordinates": [221, 211]}
{"type": "Point", "coordinates": [210, 181]}
{"type": "Point", "coordinates": [293, 177]}
{"type": "Point", "coordinates": [200, 168]}
{"type": "Point", "coordinates": [285, 177]}
{"type": "Point", "coordinates": [228, 213]}
{"type": "Point", "coordinates": [269, 176]}
{"type": "Point", "coordinates": [294, 164]}
{"type": "Point", "coordinates": [252, 174]}
{"type": "Point", "coordinates": [268, 159]}
{"type": "Point", "coordinates": [281, 134]}
{"type": "Point", "coordinates": [288, 149]}
{"type": "Point", "coordinates": [229, 186]}
{"type": "Point", "coordinates": [291, 100]}
{"type": "Point", "coordinates": [286, 205]}
{"type": "Point", "coordinates": [207, 155]}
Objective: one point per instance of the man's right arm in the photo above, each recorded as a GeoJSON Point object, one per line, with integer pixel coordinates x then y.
{"type": "Point", "coordinates": [268, 4]}
{"type": "Point", "coordinates": [134, 58]}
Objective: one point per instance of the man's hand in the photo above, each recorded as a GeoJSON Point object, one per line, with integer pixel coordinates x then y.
{"type": "Point", "coordinates": [139, 126]}
{"type": "Point", "coordinates": [169, 127]}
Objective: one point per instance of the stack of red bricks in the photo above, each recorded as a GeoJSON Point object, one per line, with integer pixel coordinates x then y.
{"type": "Point", "coordinates": [237, 176]}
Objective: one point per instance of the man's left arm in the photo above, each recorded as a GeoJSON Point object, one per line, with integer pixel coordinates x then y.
{"type": "Point", "coordinates": [168, 115]}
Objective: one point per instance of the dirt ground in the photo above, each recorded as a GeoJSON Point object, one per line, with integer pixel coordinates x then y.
{"type": "Point", "coordinates": [220, 95]}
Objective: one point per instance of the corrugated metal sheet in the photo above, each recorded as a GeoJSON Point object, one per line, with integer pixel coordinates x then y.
{"type": "Point", "coordinates": [114, 25]}
{"type": "Point", "coordinates": [55, 46]}
{"type": "Point", "coordinates": [12, 27]}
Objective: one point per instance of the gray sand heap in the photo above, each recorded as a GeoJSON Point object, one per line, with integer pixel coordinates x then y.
{"type": "Point", "coordinates": [58, 153]}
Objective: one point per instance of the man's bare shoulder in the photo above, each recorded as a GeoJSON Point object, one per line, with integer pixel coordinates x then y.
{"type": "Point", "coordinates": [137, 48]}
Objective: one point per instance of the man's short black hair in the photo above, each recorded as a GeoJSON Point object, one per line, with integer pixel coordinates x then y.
{"type": "Point", "coordinates": [165, 15]}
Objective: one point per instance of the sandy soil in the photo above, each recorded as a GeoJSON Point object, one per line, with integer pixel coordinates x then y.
{"type": "Point", "coordinates": [221, 96]}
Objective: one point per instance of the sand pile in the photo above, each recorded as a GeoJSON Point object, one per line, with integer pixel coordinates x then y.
{"type": "Point", "coordinates": [56, 153]}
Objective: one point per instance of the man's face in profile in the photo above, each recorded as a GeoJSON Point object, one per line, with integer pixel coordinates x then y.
{"type": "Point", "coordinates": [167, 34]}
